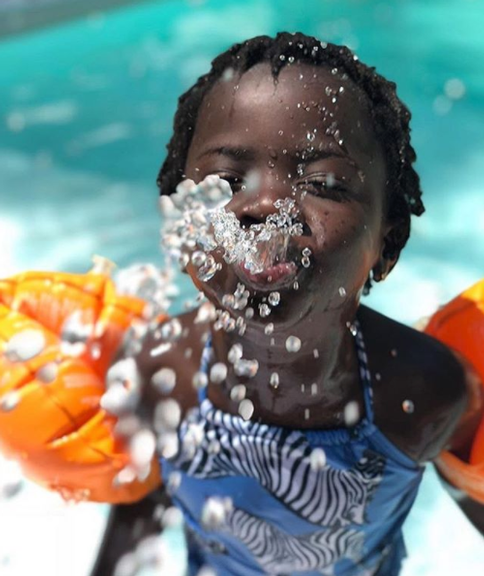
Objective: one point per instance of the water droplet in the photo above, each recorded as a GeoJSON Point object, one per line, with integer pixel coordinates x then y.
{"type": "Point", "coordinates": [307, 414]}
{"type": "Point", "coordinates": [306, 252]}
{"type": "Point", "coordinates": [25, 345]}
{"type": "Point", "coordinates": [164, 380]}
{"type": "Point", "coordinates": [235, 353]}
{"type": "Point", "coordinates": [161, 349]}
{"type": "Point", "coordinates": [206, 313]}
{"type": "Point", "coordinates": [351, 413]}
{"type": "Point", "coordinates": [334, 71]}
{"type": "Point", "coordinates": [238, 392]}
{"type": "Point", "coordinates": [352, 328]}
{"type": "Point", "coordinates": [316, 353]}
{"type": "Point", "coordinates": [310, 136]}
{"type": "Point", "coordinates": [281, 132]}
{"type": "Point", "coordinates": [208, 270]}
{"type": "Point", "coordinates": [317, 459]}
{"type": "Point", "coordinates": [167, 415]}
{"type": "Point", "coordinates": [199, 258]}
{"type": "Point", "coordinates": [341, 89]}
{"type": "Point", "coordinates": [249, 313]}
{"type": "Point", "coordinates": [274, 298]}
{"type": "Point", "coordinates": [293, 344]}
{"type": "Point", "coordinates": [314, 389]}
{"type": "Point", "coordinates": [228, 74]}
{"type": "Point", "coordinates": [269, 329]}
{"type": "Point", "coordinates": [306, 262]}
{"type": "Point", "coordinates": [246, 368]}
{"type": "Point", "coordinates": [246, 409]}
{"type": "Point", "coordinates": [214, 512]}
{"type": "Point", "coordinates": [264, 310]}
{"type": "Point", "coordinates": [47, 373]}
{"type": "Point", "coordinates": [270, 164]}
{"type": "Point", "coordinates": [296, 285]}
{"type": "Point", "coordinates": [274, 380]}
{"type": "Point", "coordinates": [218, 372]}
{"type": "Point", "coordinates": [142, 448]}
{"type": "Point", "coordinates": [378, 376]}
{"type": "Point", "coordinates": [9, 401]}
{"type": "Point", "coordinates": [171, 330]}
{"type": "Point", "coordinates": [342, 292]}
{"type": "Point", "coordinates": [291, 59]}
{"type": "Point", "coordinates": [394, 353]}
{"type": "Point", "coordinates": [408, 406]}
{"type": "Point", "coordinates": [282, 57]}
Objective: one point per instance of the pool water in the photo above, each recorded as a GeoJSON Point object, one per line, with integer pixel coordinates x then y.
{"type": "Point", "coordinates": [86, 111]}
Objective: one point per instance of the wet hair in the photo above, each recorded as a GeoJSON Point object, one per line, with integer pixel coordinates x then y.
{"type": "Point", "coordinates": [389, 115]}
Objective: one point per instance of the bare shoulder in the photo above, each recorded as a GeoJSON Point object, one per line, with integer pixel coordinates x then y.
{"type": "Point", "coordinates": [411, 369]}
{"type": "Point", "coordinates": [181, 355]}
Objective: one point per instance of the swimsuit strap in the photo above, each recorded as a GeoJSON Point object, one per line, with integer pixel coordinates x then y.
{"type": "Point", "coordinates": [365, 376]}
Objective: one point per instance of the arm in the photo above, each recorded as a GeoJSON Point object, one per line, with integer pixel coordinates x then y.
{"type": "Point", "coordinates": [460, 448]}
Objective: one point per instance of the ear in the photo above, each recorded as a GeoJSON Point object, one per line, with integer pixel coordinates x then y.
{"type": "Point", "coordinates": [395, 236]}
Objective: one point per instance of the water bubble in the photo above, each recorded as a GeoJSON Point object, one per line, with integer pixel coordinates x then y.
{"type": "Point", "coordinates": [274, 380]}
{"type": "Point", "coordinates": [228, 300]}
{"type": "Point", "coordinates": [341, 89]}
{"type": "Point", "coordinates": [408, 406]}
{"type": "Point", "coordinates": [293, 344]}
{"type": "Point", "coordinates": [351, 413]}
{"type": "Point", "coordinates": [235, 353]}
{"type": "Point", "coordinates": [378, 376]}
{"type": "Point", "coordinates": [282, 57]}
{"type": "Point", "coordinates": [394, 353]}
{"type": "Point", "coordinates": [218, 372]}
{"type": "Point", "coordinates": [316, 353]}
{"type": "Point", "coordinates": [264, 310]}
{"type": "Point", "coordinates": [199, 380]}
{"type": "Point", "coordinates": [164, 380]}
{"type": "Point", "coordinates": [238, 392]}
{"type": "Point", "coordinates": [310, 136]}
{"type": "Point", "coordinates": [306, 252]}
{"type": "Point", "coordinates": [246, 368]}
{"type": "Point", "coordinates": [281, 132]}
{"type": "Point", "coordinates": [317, 459]}
{"type": "Point", "coordinates": [269, 329]}
{"type": "Point", "coordinates": [306, 262]}
{"type": "Point", "coordinates": [307, 414]}
{"type": "Point", "coordinates": [296, 285]}
{"type": "Point", "coordinates": [25, 345]}
{"type": "Point", "coordinates": [334, 71]}
{"type": "Point", "coordinates": [274, 298]}
{"type": "Point", "coordinates": [246, 409]}
{"type": "Point", "coordinates": [314, 389]}
{"type": "Point", "coordinates": [198, 258]}
{"type": "Point", "coordinates": [117, 399]}
{"type": "Point", "coordinates": [291, 59]}
{"type": "Point", "coordinates": [341, 291]}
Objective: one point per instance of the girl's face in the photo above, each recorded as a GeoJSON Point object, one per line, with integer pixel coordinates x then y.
{"type": "Point", "coordinates": [307, 136]}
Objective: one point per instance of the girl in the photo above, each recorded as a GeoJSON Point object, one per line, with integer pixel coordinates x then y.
{"type": "Point", "coordinates": [305, 451]}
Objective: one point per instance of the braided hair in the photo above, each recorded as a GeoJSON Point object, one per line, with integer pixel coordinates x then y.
{"type": "Point", "coordinates": [389, 115]}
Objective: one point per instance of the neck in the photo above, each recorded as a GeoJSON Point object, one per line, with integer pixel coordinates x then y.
{"type": "Point", "coordinates": [322, 373]}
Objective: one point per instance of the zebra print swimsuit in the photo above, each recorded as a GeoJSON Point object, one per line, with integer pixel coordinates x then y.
{"type": "Point", "coordinates": [253, 504]}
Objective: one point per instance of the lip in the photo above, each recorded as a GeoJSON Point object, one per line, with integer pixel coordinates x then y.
{"type": "Point", "coordinates": [274, 277]}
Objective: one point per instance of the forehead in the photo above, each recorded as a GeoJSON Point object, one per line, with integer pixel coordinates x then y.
{"type": "Point", "coordinates": [302, 101]}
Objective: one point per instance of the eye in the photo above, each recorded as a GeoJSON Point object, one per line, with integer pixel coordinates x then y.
{"type": "Point", "coordinates": [326, 186]}
{"type": "Point", "coordinates": [236, 182]}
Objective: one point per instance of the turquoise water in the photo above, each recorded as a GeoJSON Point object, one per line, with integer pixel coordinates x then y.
{"type": "Point", "coordinates": [86, 111]}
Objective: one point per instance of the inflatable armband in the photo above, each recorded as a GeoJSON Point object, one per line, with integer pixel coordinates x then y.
{"type": "Point", "coordinates": [51, 384]}
{"type": "Point", "coordinates": [460, 325]}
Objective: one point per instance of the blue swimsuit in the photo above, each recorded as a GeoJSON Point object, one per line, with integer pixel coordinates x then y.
{"type": "Point", "coordinates": [280, 515]}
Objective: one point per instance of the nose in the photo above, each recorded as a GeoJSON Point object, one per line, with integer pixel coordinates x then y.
{"type": "Point", "coordinates": [253, 207]}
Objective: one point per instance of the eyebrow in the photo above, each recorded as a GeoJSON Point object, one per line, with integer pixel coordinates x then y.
{"type": "Point", "coordinates": [232, 152]}
{"type": "Point", "coordinates": [310, 153]}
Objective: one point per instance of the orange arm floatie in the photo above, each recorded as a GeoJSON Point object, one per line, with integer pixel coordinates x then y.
{"type": "Point", "coordinates": [50, 414]}
{"type": "Point", "coordinates": [460, 325]}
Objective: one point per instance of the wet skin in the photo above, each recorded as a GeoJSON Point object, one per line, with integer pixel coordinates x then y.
{"type": "Point", "coordinates": [238, 132]}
